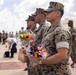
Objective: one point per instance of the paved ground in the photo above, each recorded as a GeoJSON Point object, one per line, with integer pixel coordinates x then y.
{"type": "Point", "coordinates": [11, 66]}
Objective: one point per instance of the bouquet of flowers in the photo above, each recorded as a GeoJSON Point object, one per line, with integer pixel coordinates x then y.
{"type": "Point", "coordinates": [39, 53]}
{"type": "Point", "coordinates": [26, 39]}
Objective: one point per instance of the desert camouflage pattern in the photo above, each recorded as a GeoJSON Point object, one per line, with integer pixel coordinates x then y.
{"type": "Point", "coordinates": [51, 38]}
{"type": "Point", "coordinates": [39, 11]}
{"type": "Point", "coordinates": [55, 6]}
{"type": "Point", "coordinates": [73, 53]}
{"type": "Point", "coordinates": [30, 18]}
{"type": "Point", "coordinates": [39, 35]}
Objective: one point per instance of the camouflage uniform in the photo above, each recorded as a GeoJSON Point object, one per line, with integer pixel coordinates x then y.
{"type": "Point", "coordinates": [73, 53]}
{"type": "Point", "coordinates": [39, 35]}
{"type": "Point", "coordinates": [29, 67]}
{"type": "Point", "coordinates": [53, 36]}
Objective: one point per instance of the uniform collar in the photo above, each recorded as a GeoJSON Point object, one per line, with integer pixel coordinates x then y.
{"type": "Point", "coordinates": [57, 25]}
{"type": "Point", "coordinates": [40, 26]}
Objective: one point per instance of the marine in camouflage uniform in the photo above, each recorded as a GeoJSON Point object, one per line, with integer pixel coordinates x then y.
{"type": "Point", "coordinates": [73, 32]}
{"type": "Point", "coordinates": [55, 39]}
{"type": "Point", "coordinates": [52, 37]}
{"type": "Point", "coordinates": [31, 25]}
{"type": "Point", "coordinates": [42, 25]}
{"type": "Point", "coordinates": [39, 35]}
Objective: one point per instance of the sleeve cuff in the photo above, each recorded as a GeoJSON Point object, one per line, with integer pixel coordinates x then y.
{"type": "Point", "coordinates": [62, 45]}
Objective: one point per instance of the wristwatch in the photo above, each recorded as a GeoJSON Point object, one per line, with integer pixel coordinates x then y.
{"type": "Point", "coordinates": [40, 62]}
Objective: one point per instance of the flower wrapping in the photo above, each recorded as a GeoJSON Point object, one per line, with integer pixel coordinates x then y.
{"type": "Point", "coordinates": [26, 39]}
{"type": "Point", "coordinates": [39, 53]}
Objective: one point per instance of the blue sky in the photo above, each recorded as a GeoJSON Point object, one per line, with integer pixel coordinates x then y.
{"type": "Point", "coordinates": [14, 12]}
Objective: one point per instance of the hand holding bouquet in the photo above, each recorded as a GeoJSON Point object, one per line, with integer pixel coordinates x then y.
{"type": "Point", "coordinates": [26, 39]}
{"type": "Point", "coordinates": [39, 53]}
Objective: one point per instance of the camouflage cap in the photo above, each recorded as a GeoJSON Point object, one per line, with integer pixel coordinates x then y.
{"type": "Point", "coordinates": [55, 6]}
{"type": "Point", "coordinates": [30, 18]}
{"type": "Point", "coordinates": [39, 11]}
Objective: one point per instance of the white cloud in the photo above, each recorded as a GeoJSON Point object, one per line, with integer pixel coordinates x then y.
{"type": "Point", "coordinates": [5, 15]}
{"type": "Point", "coordinates": [68, 5]}
{"type": "Point", "coordinates": [27, 7]}
{"type": "Point", "coordinates": [1, 2]}
{"type": "Point", "coordinates": [13, 20]}
{"type": "Point", "coordinates": [9, 22]}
